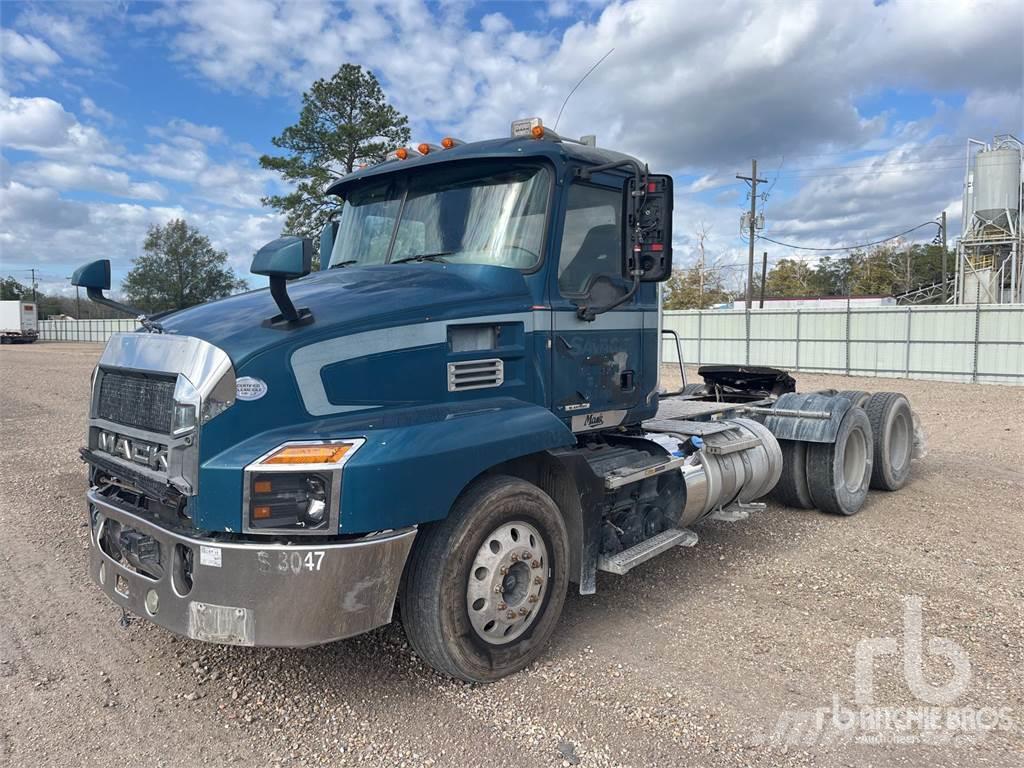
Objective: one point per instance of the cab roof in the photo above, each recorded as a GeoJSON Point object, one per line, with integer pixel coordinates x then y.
{"type": "Point", "coordinates": [556, 151]}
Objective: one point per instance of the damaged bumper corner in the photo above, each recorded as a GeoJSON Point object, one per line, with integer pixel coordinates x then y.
{"type": "Point", "coordinates": [245, 593]}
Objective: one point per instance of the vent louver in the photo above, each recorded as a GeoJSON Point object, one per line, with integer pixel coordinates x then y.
{"type": "Point", "coordinates": [475, 374]}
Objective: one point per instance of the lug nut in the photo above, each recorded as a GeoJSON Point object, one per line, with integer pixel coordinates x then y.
{"type": "Point", "coordinates": [527, 556]}
{"type": "Point", "coordinates": [538, 580]}
{"type": "Point", "coordinates": [532, 599]}
{"type": "Point", "coordinates": [523, 611]}
{"type": "Point", "coordinates": [510, 615]}
{"type": "Point", "coordinates": [535, 564]}
{"type": "Point", "coordinates": [499, 589]}
{"type": "Point", "coordinates": [502, 606]}
{"type": "Point", "coordinates": [514, 557]}
{"type": "Point", "coordinates": [503, 570]}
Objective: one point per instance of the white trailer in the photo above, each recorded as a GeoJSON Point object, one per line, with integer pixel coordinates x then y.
{"type": "Point", "coordinates": [19, 322]}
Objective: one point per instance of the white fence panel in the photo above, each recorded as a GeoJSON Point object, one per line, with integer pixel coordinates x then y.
{"type": "Point", "coordinates": [983, 343]}
{"type": "Point", "coordinates": [84, 330]}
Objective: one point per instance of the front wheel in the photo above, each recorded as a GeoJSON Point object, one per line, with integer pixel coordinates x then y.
{"type": "Point", "coordinates": [485, 587]}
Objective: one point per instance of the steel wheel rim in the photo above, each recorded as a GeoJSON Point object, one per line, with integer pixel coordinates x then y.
{"type": "Point", "coordinates": [506, 582]}
{"type": "Point", "coordinates": [899, 443]}
{"type": "Point", "coordinates": [855, 456]}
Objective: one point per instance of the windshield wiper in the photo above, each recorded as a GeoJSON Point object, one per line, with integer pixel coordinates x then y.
{"type": "Point", "coordinates": [345, 263]}
{"type": "Point", "coordinates": [439, 256]}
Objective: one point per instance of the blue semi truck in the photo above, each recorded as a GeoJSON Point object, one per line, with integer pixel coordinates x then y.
{"type": "Point", "coordinates": [459, 413]}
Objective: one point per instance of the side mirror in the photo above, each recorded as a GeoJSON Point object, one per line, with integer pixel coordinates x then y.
{"type": "Point", "coordinates": [651, 209]}
{"type": "Point", "coordinates": [95, 278]}
{"type": "Point", "coordinates": [94, 275]}
{"type": "Point", "coordinates": [281, 260]}
{"type": "Point", "coordinates": [327, 238]}
{"type": "Point", "coordinates": [287, 257]}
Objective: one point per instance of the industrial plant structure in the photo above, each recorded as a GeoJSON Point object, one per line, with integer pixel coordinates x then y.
{"type": "Point", "coordinates": [989, 252]}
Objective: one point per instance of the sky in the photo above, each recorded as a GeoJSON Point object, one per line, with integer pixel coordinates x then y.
{"type": "Point", "coordinates": [118, 116]}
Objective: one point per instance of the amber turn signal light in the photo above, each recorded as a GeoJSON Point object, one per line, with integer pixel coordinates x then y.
{"type": "Point", "coordinates": [309, 454]}
{"type": "Point", "coordinates": [261, 513]}
{"type": "Point", "coordinates": [262, 486]}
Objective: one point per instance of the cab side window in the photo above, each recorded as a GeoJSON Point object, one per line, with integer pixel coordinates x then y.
{"type": "Point", "coordinates": [591, 240]}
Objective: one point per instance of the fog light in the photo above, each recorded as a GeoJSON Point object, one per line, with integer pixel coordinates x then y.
{"type": "Point", "coordinates": [152, 602]}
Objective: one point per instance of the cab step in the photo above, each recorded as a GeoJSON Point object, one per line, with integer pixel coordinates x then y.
{"type": "Point", "coordinates": [624, 561]}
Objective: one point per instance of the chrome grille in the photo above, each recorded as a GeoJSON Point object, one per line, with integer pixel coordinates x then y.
{"type": "Point", "coordinates": [137, 400]}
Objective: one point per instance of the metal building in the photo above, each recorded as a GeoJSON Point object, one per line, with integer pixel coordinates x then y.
{"type": "Point", "coordinates": [989, 252]}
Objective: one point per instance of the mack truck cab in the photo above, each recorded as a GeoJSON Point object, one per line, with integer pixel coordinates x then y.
{"type": "Point", "coordinates": [458, 413]}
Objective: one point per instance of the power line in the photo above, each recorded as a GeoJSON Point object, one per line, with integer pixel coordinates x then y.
{"type": "Point", "coordinates": [852, 247]}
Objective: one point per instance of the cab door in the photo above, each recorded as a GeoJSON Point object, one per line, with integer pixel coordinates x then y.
{"type": "Point", "coordinates": [596, 364]}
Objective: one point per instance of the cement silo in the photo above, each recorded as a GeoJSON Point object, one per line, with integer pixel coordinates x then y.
{"type": "Point", "coordinates": [997, 187]}
{"type": "Point", "coordinates": [990, 248]}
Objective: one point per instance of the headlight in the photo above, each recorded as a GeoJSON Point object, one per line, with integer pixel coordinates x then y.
{"type": "Point", "coordinates": [295, 487]}
{"type": "Point", "coordinates": [191, 410]}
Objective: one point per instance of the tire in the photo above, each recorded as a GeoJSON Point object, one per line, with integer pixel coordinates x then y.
{"type": "Point", "coordinates": [856, 396]}
{"type": "Point", "coordinates": [455, 559]}
{"type": "Point", "coordinates": [839, 473]}
{"type": "Point", "coordinates": [791, 490]}
{"type": "Point", "coordinates": [892, 425]}
{"type": "Point", "coordinates": [692, 390]}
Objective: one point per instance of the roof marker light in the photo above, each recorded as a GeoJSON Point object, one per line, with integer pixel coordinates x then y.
{"type": "Point", "coordinates": [448, 142]}
{"type": "Point", "coordinates": [426, 149]}
{"type": "Point", "coordinates": [527, 127]}
{"type": "Point", "coordinates": [402, 153]}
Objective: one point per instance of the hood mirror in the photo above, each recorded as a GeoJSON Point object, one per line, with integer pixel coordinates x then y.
{"type": "Point", "coordinates": [95, 278]}
{"type": "Point", "coordinates": [281, 260]}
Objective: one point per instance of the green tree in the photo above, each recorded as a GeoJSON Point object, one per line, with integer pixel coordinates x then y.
{"type": "Point", "coordinates": [344, 121]}
{"type": "Point", "coordinates": [178, 268]}
{"type": "Point", "coordinates": [792, 277]}
{"type": "Point", "coordinates": [686, 290]}
{"type": "Point", "coordinates": [12, 290]}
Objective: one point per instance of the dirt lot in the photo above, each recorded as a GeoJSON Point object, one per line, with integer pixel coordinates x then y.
{"type": "Point", "coordinates": [691, 659]}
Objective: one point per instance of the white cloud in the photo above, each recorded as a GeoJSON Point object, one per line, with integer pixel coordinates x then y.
{"type": "Point", "coordinates": [73, 30]}
{"type": "Point", "coordinates": [88, 177]}
{"type": "Point", "coordinates": [27, 49]}
{"type": "Point", "coordinates": [42, 125]}
{"type": "Point", "coordinates": [91, 109]}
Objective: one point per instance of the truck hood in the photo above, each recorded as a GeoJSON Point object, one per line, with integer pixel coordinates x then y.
{"type": "Point", "coordinates": [352, 299]}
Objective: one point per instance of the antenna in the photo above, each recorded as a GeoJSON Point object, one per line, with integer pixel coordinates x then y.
{"type": "Point", "coordinates": [596, 65]}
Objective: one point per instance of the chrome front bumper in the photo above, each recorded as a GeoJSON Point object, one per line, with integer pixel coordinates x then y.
{"type": "Point", "coordinates": [251, 593]}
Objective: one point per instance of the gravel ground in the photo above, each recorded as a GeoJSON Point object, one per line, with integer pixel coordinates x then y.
{"type": "Point", "coordinates": [691, 659]}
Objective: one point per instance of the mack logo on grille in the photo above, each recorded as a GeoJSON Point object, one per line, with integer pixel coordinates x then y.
{"type": "Point", "coordinates": [144, 402]}
{"type": "Point", "coordinates": [148, 454]}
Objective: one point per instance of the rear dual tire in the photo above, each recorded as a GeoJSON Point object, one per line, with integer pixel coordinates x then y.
{"type": "Point", "coordinates": [839, 473]}
{"type": "Point", "coordinates": [892, 426]}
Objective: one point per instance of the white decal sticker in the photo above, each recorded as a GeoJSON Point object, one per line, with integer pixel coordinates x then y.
{"type": "Point", "coordinates": [209, 556]}
{"type": "Point", "coordinates": [248, 388]}
{"type": "Point", "coordinates": [597, 420]}
{"type": "Point", "coordinates": [576, 406]}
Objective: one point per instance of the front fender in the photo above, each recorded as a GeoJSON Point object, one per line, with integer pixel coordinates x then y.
{"type": "Point", "coordinates": [413, 474]}
{"type": "Point", "coordinates": [412, 467]}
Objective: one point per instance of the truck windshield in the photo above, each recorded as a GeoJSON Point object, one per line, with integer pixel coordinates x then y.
{"type": "Point", "coordinates": [464, 215]}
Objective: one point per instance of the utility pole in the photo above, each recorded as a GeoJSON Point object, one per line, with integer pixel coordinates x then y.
{"type": "Point", "coordinates": [945, 278]}
{"type": "Point", "coordinates": [753, 181]}
{"type": "Point", "coordinates": [33, 284]}
{"type": "Point", "coordinates": [764, 276]}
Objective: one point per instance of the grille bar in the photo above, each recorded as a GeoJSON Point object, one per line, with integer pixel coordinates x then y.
{"type": "Point", "coordinates": [137, 400]}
